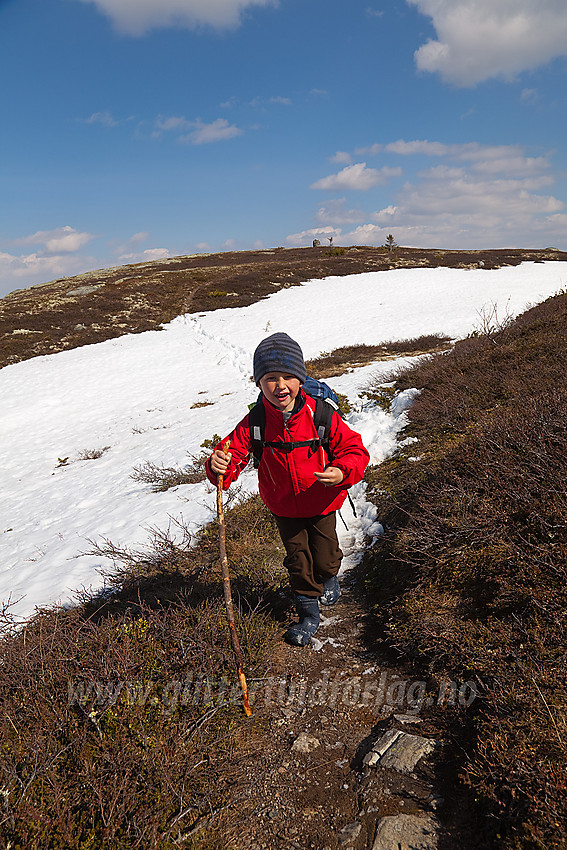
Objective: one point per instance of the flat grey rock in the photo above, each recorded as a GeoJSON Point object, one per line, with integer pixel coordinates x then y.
{"type": "Point", "coordinates": [381, 746]}
{"type": "Point", "coordinates": [410, 832]}
{"type": "Point", "coordinates": [405, 752]}
{"type": "Point", "coordinates": [305, 743]}
{"type": "Point", "coordinates": [349, 834]}
{"type": "Point", "coordinates": [85, 290]}
{"type": "Point", "coordinates": [407, 718]}
{"type": "Point", "coordinates": [399, 751]}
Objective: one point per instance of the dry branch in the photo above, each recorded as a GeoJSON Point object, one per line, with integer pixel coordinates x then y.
{"type": "Point", "coordinates": [227, 592]}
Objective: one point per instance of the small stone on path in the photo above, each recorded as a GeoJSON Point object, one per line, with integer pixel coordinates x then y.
{"type": "Point", "coordinates": [305, 743]}
{"type": "Point", "coordinates": [349, 834]}
{"type": "Point", "coordinates": [398, 751]}
{"type": "Point", "coordinates": [381, 746]}
{"type": "Point", "coordinates": [408, 831]}
{"type": "Point", "coordinates": [406, 751]}
{"type": "Point", "coordinates": [407, 718]}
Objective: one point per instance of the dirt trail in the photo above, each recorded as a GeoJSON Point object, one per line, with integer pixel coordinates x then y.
{"type": "Point", "coordinates": [325, 707]}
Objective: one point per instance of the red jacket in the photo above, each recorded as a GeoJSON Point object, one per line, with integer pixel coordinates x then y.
{"type": "Point", "coordinates": [285, 480]}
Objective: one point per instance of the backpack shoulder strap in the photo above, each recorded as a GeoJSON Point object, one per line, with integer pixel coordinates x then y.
{"type": "Point", "coordinates": [322, 418]}
{"type": "Point", "coordinates": [257, 426]}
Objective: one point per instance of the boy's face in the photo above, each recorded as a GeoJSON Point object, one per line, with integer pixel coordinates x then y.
{"type": "Point", "coordinates": [280, 389]}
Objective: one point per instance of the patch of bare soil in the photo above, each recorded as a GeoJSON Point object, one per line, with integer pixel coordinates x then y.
{"type": "Point", "coordinates": [108, 303]}
{"type": "Point", "coordinates": [313, 778]}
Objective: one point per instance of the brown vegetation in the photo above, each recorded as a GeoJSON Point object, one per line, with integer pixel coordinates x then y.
{"type": "Point", "coordinates": [107, 741]}
{"type": "Point", "coordinates": [166, 477]}
{"type": "Point", "coordinates": [121, 718]}
{"type": "Point", "coordinates": [108, 303]}
{"type": "Point", "coordinates": [470, 578]}
{"type": "Point", "coordinates": [336, 362]}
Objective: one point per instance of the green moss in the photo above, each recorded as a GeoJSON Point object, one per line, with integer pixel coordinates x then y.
{"type": "Point", "coordinates": [345, 406]}
{"type": "Point", "coordinates": [382, 396]}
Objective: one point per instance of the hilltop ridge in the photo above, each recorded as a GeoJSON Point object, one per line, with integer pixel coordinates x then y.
{"type": "Point", "coordinates": [107, 303]}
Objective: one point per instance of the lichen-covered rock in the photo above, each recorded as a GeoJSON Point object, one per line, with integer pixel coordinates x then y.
{"type": "Point", "coordinates": [399, 751]}
{"type": "Point", "coordinates": [305, 743]}
{"type": "Point", "coordinates": [412, 832]}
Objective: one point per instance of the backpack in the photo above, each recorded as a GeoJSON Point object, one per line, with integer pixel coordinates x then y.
{"type": "Point", "coordinates": [319, 389]}
{"type": "Point", "coordinates": [326, 403]}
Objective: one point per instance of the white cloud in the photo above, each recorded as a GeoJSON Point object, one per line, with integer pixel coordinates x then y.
{"type": "Point", "coordinates": [473, 196]}
{"type": "Point", "coordinates": [58, 254]}
{"type": "Point", "coordinates": [356, 177]}
{"type": "Point", "coordinates": [130, 245]}
{"type": "Point", "coordinates": [480, 39]}
{"type": "Point", "coordinates": [417, 147]}
{"type": "Point", "coordinates": [26, 270]}
{"type": "Point", "coordinates": [335, 212]}
{"type": "Point", "coordinates": [460, 208]}
{"type": "Point", "coordinates": [520, 165]}
{"type": "Point", "coordinates": [530, 95]}
{"type": "Point", "coordinates": [495, 159]}
{"type": "Point", "coordinates": [385, 216]}
{"type": "Point", "coordinates": [341, 158]}
{"type": "Point", "coordinates": [61, 240]}
{"type": "Point", "coordinates": [373, 150]}
{"type": "Point", "coordinates": [261, 102]}
{"type": "Point", "coordinates": [105, 118]}
{"type": "Point", "coordinates": [145, 256]}
{"type": "Point", "coordinates": [55, 255]}
{"type": "Point", "coordinates": [174, 122]}
{"type": "Point", "coordinates": [217, 131]}
{"type": "Point", "coordinates": [139, 237]}
{"type": "Point", "coordinates": [136, 17]}
{"type": "Point", "coordinates": [306, 237]}
{"type": "Point", "coordinates": [130, 250]}
{"type": "Point", "coordinates": [459, 192]}
{"type": "Point", "coordinates": [199, 133]}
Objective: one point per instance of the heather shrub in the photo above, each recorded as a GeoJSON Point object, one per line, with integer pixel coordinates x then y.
{"type": "Point", "coordinates": [349, 356]}
{"type": "Point", "coordinates": [121, 717]}
{"type": "Point", "coordinates": [165, 477]}
{"type": "Point", "coordinates": [470, 578]}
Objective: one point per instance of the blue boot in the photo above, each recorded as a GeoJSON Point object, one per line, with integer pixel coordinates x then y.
{"type": "Point", "coordinates": [307, 608]}
{"type": "Point", "coordinates": [331, 591]}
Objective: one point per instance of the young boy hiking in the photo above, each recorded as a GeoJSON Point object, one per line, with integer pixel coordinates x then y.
{"type": "Point", "coordinates": [302, 482]}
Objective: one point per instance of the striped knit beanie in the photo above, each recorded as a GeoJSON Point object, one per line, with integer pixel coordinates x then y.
{"type": "Point", "coordinates": [279, 353]}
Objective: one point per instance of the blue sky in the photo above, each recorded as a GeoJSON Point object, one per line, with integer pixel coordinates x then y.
{"type": "Point", "coordinates": [141, 129]}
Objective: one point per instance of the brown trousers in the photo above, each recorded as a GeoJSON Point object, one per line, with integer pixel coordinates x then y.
{"type": "Point", "coordinates": [313, 553]}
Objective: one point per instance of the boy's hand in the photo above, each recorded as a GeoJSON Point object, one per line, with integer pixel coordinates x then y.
{"type": "Point", "coordinates": [220, 461]}
{"type": "Point", "coordinates": [330, 477]}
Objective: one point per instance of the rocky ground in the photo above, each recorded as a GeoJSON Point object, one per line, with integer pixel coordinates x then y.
{"type": "Point", "coordinates": [358, 753]}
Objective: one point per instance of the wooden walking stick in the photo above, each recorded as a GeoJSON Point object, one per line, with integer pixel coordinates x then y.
{"type": "Point", "coordinates": [227, 593]}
